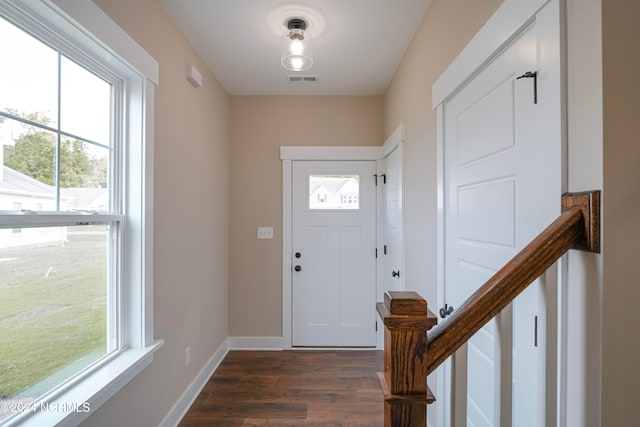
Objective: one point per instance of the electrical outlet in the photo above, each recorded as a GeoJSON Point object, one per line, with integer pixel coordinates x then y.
{"type": "Point", "coordinates": [187, 356]}
{"type": "Point", "coordinates": [265, 232]}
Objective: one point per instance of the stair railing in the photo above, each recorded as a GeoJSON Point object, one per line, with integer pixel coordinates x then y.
{"type": "Point", "coordinates": [411, 353]}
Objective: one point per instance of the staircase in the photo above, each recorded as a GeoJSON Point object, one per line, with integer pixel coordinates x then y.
{"type": "Point", "coordinates": [410, 353]}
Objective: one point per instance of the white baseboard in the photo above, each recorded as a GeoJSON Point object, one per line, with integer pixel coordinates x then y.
{"type": "Point", "coordinates": [185, 401]}
{"type": "Point", "coordinates": [256, 343]}
{"type": "Point", "coordinates": [278, 344]}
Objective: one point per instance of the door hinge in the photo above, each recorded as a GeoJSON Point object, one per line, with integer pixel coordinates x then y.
{"type": "Point", "coordinates": [376, 252]}
{"type": "Point", "coordinates": [376, 326]}
{"type": "Point", "coordinates": [385, 250]}
{"type": "Point", "coordinates": [535, 331]}
{"type": "Point", "coordinates": [375, 178]}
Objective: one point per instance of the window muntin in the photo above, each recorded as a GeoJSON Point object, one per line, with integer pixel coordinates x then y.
{"type": "Point", "coordinates": [328, 192]}
{"type": "Point", "coordinates": [57, 158]}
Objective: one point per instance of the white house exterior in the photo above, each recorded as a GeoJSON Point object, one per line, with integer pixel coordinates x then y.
{"type": "Point", "coordinates": [20, 192]}
{"type": "Point", "coordinates": [333, 192]}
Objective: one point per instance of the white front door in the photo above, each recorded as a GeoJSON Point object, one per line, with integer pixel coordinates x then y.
{"type": "Point", "coordinates": [333, 254]}
{"type": "Point", "coordinates": [502, 187]}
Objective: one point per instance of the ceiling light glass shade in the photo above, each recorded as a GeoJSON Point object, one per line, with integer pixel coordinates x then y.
{"type": "Point", "coordinates": [296, 54]}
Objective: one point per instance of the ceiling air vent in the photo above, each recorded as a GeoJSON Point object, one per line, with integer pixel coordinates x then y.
{"type": "Point", "coordinates": [302, 79]}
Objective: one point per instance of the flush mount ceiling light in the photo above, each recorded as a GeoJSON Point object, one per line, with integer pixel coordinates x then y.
{"type": "Point", "coordinates": [296, 54]}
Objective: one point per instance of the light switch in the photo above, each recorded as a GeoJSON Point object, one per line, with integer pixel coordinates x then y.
{"type": "Point", "coordinates": [265, 232]}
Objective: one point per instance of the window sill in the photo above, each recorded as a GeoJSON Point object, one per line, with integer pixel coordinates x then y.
{"type": "Point", "coordinates": [74, 405]}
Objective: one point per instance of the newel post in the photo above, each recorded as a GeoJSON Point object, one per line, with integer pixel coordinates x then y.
{"type": "Point", "coordinates": [404, 381]}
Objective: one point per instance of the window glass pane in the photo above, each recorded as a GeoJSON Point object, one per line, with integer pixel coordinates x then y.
{"type": "Point", "coordinates": [334, 192]}
{"type": "Point", "coordinates": [28, 76]}
{"type": "Point", "coordinates": [27, 175]}
{"type": "Point", "coordinates": [84, 176]}
{"type": "Point", "coordinates": [53, 307]}
{"type": "Point", "coordinates": [85, 103]}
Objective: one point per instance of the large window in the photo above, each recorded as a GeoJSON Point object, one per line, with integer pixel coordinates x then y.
{"type": "Point", "coordinates": [74, 231]}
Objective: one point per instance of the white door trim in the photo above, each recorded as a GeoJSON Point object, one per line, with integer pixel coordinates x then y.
{"type": "Point", "coordinates": [331, 153]}
{"type": "Point", "coordinates": [287, 242]}
{"type": "Point", "coordinates": [504, 26]}
{"type": "Point", "coordinates": [500, 30]}
{"type": "Point", "coordinates": [443, 415]}
{"type": "Point", "coordinates": [394, 140]}
{"type": "Point", "coordinates": [288, 154]}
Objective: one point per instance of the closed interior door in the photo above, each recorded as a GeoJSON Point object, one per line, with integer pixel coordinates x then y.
{"type": "Point", "coordinates": [333, 275]}
{"type": "Point", "coordinates": [502, 187]}
{"type": "Point", "coordinates": [392, 250]}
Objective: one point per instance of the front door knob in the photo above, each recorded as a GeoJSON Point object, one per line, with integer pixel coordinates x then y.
{"type": "Point", "coordinates": [297, 268]}
{"type": "Point", "coordinates": [395, 273]}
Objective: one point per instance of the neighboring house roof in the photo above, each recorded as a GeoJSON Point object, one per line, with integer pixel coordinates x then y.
{"type": "Point", "coordinates": [333, 185]}
{"type": "Point", "coordinates": [18, 182]}
{"type": "Point", "coordinates": [77, 198]}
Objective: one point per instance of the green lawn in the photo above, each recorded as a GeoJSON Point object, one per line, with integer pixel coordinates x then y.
{"type": "Point", "coordinates": [52, 309]}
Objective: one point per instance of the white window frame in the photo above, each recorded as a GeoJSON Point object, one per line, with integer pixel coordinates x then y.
{"type": "Point", "coordinates": [91, 31]}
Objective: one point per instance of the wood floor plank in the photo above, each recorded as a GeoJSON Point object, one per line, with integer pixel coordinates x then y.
{"type": "Point", "coordinates": [315, 388]}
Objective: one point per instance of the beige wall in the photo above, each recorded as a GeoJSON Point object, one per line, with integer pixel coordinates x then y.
{"type": "Point", "coordinates": [621, 317]}
{"type": "Point", "coordinates": [190, 212]}
{"type": "Point", "coordinates": [584, 172]}
{"type": "Point", "coordinates": [259, 126]}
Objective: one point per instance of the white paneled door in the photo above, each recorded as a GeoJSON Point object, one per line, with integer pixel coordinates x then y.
{"type": "Point", "coordinates": [391, 250]}
{"type": "Point", "coordinates": [502, 187]}
{"type": "Point", "coordinates": [333, 254]}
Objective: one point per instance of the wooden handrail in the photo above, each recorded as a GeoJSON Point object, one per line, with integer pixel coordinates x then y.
{"type": "Point", "coordinates": [577, 227]}
{"type": "Point", "coordinates": [411, 354]}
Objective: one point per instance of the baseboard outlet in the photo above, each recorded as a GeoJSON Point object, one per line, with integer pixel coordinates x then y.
{"type": "Point", "coordinates": [256, 343]}
{"type": "Point", "coordinates": [189, 396]}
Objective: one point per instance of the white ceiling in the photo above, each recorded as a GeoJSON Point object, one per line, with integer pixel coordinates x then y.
{"type": "Point", "coordinates": [357, 44]}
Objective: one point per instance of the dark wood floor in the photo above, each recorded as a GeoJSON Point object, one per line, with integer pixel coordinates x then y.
{"type": "Point", "coordinates": [292, 388]}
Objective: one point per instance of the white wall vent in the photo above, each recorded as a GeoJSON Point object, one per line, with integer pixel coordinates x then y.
{"type": "Point", "coordinates": [194, 76]}
{"type": "Point", "coordinates": [302, 79]}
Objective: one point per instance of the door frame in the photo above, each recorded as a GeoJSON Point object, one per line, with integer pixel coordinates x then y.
{"type": "Point", "coordinates": [289, 154]}
{"type": "Point", "coordinates": [509, 21]}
